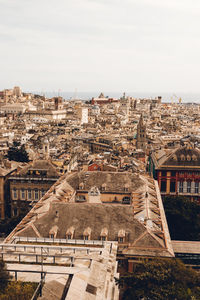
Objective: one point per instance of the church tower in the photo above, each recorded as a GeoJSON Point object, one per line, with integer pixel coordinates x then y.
{"type": "Point", "coordinates": [141, 135]}
{"type": "Point", "coordinates": [46, 148]}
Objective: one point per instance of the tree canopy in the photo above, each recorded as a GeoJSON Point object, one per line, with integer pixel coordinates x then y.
{"type": "Point", "coordinates": [4, 276]}
{"type": "Point", "coordinates": [14, 290]}
{"type": "Point", "coordinates": [8, 224]}
{"type": "Point", "coordinates": [17, 153]}
{"type": "Point", "coordinates": [160, 279]}
{"type": "Point", "coordinates": [18, 290]}
{"type": "Point", "coordinates": [183, 217]}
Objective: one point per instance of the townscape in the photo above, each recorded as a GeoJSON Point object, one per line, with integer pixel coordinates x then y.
{"type": "Point", "coordinates": [86, 179]}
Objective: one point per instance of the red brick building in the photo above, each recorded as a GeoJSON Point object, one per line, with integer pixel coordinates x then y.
{"type": "Point", "coordinates": [177, 171]}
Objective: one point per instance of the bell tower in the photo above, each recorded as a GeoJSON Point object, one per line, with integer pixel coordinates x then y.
{"type": "Point", "coordinates": [46, 148]}
{"type": "Point", "coordinates": [141, 135]}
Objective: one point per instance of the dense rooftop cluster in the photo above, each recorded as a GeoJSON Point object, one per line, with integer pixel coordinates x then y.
{"type": "Point", "coordinates": [94, 171]}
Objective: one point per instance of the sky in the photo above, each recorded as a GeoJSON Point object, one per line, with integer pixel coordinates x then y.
{"type": "Point", "coordinates": [100, 45]}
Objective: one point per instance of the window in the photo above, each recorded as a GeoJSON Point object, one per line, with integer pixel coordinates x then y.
{"type": "Point", "coordinates": [182, 157]}
{"type": "Point", "coordinates": [196, 188]}
{"type": "Point", "coordinates": [173, 173]}
{"type": "Point", "coordinates": [126, 200]}
{"type": "Point", "coordinates": [181, 187]}
{"type": "Point", "coordinates": [189, 187]}
{"type": "Point", "coordinates": [103, 187]}
{"type": "Point", "coordinates": [29, 194]}
{"type": "Point", "coordinates": [194, 157]}
{"type": "Point", "coordinates": [15, 211]}
{"type": "Point", "coordinates": [174, 157]}
{"type": "Point", "coordinates": [164, 173]}
{"type": "Point", "coordinates": [42, 192]}
{"type": "Point", "coordinates": [23, 194]}
{"type": "Point", "coordinates": [172, 186]}
{"type": "Point", "coordinates": [121, 239]}
{"type": "Point", "coordinates": [14, 193]}
{"type": "Point", "coordinates": [69, 237]}
{"type": "Point", "coordinates": [36, 194]}
{"type": "Point", "coordinates": [80, 198]}
{"type": "Point", "coordinates": [43, 173]}
{"type": "Point", "coordinates": [86, 237]}
{"type": "Point", "coordinates": [163, 186]}
{"type": "Point", "coordinates": [103, 238]}
{"type": "Point", "coordinates": [81, 185]}
{"type": "Point", "coordinates": [51, 236]}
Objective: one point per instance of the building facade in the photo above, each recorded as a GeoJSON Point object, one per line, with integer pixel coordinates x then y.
{"type": "Point", "coordinates": [177, 171]}
{"type": "Point", "coordinates": [5, 172]}
{"type": "Point", "coordinates": [30, 184]}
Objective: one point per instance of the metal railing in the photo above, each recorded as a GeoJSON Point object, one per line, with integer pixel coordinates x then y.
{"type": "Point", "coordinates": [42, 273]}
{"type": "Point", "coordinates": [47, 248]}
{"type": "Point", "coordinates": [38, 291]}
{"type": "Point", "coordinates": [58, 241]}
{"type": "Point", "coordinates": [39, 258]}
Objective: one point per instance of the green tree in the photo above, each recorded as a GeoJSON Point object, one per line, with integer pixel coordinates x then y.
{"type": "Point", "coordinates": [4, 276]}
{"type": "Point", "coordinates": [18, 290]}
{"type": "Point", "coordinates": [160, 279]}
{"type": "Point", "coordinates": [17, 153]}
{"type": "Point", "coordinates": [7, 225]}
{"type": "Point", "coordinates": [183, 217]}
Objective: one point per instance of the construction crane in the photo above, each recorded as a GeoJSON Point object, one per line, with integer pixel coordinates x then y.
{"type": "Point", "coordinates": [176, 97]}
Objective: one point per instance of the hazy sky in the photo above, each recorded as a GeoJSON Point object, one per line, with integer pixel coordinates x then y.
{"type": "Point", "coordinates": [100, 45]}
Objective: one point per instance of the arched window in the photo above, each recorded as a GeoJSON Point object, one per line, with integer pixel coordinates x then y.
{"type": "Point", "coordinates": [126, 187]}
{"type": "Point", "coordinates": [188, 157]}
{"type": "Point", "coordinates": [182, 157]}
{"type": "Point", "coordinates": [194, 157]}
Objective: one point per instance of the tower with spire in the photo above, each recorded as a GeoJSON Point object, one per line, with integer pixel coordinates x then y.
{"type": "Point", "coordinates": [141, 134]}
